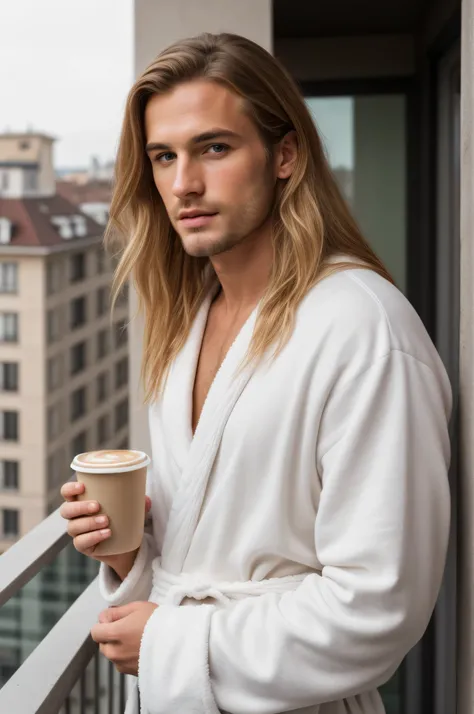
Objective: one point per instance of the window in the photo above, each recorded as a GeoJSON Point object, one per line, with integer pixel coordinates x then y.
{"type": "Point", "coordinates": [8, 327]}
{"type": "Point", "coordinates": [9, 376]}
{"type": "Point", "coordinates": [10, 522]}
{"type": "Point", "coordinates": [121, 336]}
{"type": "Point", "coordinates": [121, 373]}
{"type": "Point", "coordinates": [9, 475]}
{"type": "Point", "coordinates": [78, 357]}
{"type": "Point", "coordinates": [79, 225]}
{"type": "Point", "coordinates": [63, 224]}
{"type": "Point", "coordinates": [102, 387]}
{"type": "Point", "coordinates": [102, 343]}
{"type": "Point", "coordinates": [78, 312]}
{"type": "Point", "coordinates": [9, 426]}
{"type": "Point", "coordinates": [8, 277]}
{"type": "Point", "coordinates": [365, 140]}
{"type": "Point", "coordinates": [103, 430]}
{"type": "Point", "coordinates": [79, 444]}
{"type": "Point", "coordinates": [100, 261]}
{"type": "Point", "coordinates": [78, 403]}
{"type": "Point", "coordinates": [48, 619]}
{"type": "Point", "coordinates": [54, 421]}
{"type": "Point", "coordinates": [78, 267]}
{"type": "Point", "coordinates": [30, 179]}
{"type": "Point", "coordinates": [53, 277]}
{"type": "Point", "coordinates": [55, 372]}
{"type": "Point", "coordinates": [102, 299]}
{"type": "Point", "coordinates": [121, 414]}
{"type": "Point", "coordinates": [5, 181]}
{"type": "Point", "coordinates": [6, 230]}
{"type": "Point", "coordinates": [53, 325]}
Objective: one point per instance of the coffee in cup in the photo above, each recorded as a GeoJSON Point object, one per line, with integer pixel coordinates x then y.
{"type": "Point", "coordinates": [115, 478]}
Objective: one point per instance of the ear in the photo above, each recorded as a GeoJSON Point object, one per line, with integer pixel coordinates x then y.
{"type": "Point", "coordinates": [286, 155]}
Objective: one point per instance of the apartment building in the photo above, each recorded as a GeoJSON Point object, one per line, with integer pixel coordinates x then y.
{"type": "Point", "coordinates": [63, 358]}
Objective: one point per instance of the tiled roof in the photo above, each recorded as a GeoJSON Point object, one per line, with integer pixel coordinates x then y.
{"type": "Point", "coordinates": [31, 218]}
{"type": "Point", "coordinates": [90, 192]}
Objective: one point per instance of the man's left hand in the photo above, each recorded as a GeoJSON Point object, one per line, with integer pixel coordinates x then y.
{"type": "Point", "coordinates": [119, 634]}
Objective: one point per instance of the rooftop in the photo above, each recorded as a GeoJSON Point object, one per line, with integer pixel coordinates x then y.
{"type": "Point", "coordinates": [32, 220]}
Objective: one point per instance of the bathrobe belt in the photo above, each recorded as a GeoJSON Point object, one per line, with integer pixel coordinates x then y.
{"type": "Point", "coordinates": [171, 589]}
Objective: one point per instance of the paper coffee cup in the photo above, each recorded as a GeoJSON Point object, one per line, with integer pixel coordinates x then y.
{"type": "Point", "coordinates": [117, 480]}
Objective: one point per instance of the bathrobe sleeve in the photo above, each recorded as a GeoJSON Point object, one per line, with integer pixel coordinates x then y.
{"type": "Point", "coordinates": [381, 534]}
{"type": "Point", "coordinates": [138, 583]}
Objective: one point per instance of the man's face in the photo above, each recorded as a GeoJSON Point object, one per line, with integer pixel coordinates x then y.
{"type": "Point", "coordinates": [209, 166]}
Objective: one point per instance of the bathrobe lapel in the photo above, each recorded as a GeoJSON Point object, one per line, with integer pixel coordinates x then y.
{"type": "Point", "coordinates": [200, 451]}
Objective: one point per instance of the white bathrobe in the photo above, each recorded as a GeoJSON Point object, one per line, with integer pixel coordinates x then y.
{"type": "Point", "coordinates": [307, 518]}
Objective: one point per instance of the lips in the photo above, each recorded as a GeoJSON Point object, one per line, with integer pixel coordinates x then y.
{"type": "Point", "coordinates": [197, 219]}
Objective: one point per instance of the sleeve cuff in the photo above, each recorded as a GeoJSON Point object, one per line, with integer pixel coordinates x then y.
{"type": "Point", "coordinates": [173, 668]}
{"type": "Point", "coordinates": [138, 583]}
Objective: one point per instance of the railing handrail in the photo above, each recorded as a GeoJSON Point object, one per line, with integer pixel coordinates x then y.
{"type": "Point", "coordinates": [25, 558]}
{"type": "Point", "coordinates": [47, 676]}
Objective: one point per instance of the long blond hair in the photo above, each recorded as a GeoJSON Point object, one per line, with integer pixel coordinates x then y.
{"type": "Point", "coordinates": [311, 221]}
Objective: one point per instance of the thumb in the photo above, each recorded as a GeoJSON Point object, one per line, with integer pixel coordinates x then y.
{"type": "Point", "coordinates": [112, 614]}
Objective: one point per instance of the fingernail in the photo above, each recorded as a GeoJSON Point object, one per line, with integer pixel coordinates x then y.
{"type": "Point", "coordinates": [100, 520]}
{"type": "Point", "coordinates": [93, 507]}
{"type": "Point", "coordinates": [105, 532]}
{"type": "Point", "coordinates": [77, 486]}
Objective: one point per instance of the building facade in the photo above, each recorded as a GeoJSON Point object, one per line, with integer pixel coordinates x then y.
{"type": "Point", "coordinates": [63, 374]}
{"type": "Point", "coordinates": [63, 362]}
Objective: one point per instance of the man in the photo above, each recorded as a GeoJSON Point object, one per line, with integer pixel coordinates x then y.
{"type": "Point", "coordinates": [298, 410]}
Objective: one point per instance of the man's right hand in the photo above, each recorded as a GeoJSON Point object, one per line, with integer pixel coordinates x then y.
{"type": "Point", "coordinates": [87, 528]}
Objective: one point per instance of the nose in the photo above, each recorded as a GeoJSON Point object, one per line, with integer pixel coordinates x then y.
{"type": "Point", "coordinates": [188, 179]}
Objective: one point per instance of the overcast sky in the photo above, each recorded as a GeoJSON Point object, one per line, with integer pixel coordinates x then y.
{"type": "Point", "coordinates": [65, 69]}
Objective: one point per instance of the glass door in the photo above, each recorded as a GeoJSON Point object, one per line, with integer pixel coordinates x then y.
{"type": "Point", "coordinates": [365, 141]}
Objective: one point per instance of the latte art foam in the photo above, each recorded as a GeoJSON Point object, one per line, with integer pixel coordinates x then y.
{"type": "Point", "coordinates": [110, 458]}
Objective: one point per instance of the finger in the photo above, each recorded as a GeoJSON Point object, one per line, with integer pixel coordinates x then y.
{"type": "Point", "coordinates": [71, 489]}
{"type": "Point", "coordinates": [105, 616]}
{"type": "Point", "coordinates": [78, 526]}
{"type": "Point", "coordinates": [87, 541]}
{"type": "Point", "coordinates": [104, 633]}
{"type": "Point", "coordinates": [147, 503]}
{"type": "Point", "coordinates": [108, 651]}
{"type": "Point", "coordinates": [74, 509]}
{"type": "Point", "coordinates": [112, 614]}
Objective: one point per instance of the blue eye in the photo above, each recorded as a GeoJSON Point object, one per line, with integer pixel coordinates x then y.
{"type": "Point", "coordinates": [160, 157]}
{"type": "Point", "coordinates": [221, 148]}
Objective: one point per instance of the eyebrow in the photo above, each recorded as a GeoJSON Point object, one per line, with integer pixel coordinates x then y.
{"type": "Point", "coordinates": [199, 139]}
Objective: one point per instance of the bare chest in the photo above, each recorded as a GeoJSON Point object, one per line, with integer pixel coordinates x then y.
{"type": "Point", "coordinates": [218, 338]}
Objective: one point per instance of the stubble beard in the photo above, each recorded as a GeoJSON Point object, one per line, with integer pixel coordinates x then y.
{"type": "Point", "coordinates": [220, 245]}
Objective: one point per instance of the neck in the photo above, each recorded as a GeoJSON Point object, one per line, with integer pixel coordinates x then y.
{"type": "Point", "coordinates": [243, 272]}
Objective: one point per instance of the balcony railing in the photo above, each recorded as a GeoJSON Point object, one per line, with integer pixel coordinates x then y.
{"type": "Point", "coordinates": [65, 672]}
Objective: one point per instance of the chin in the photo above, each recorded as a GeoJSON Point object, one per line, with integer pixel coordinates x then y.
{"type": "Point", "coordinates": [200, 247]}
